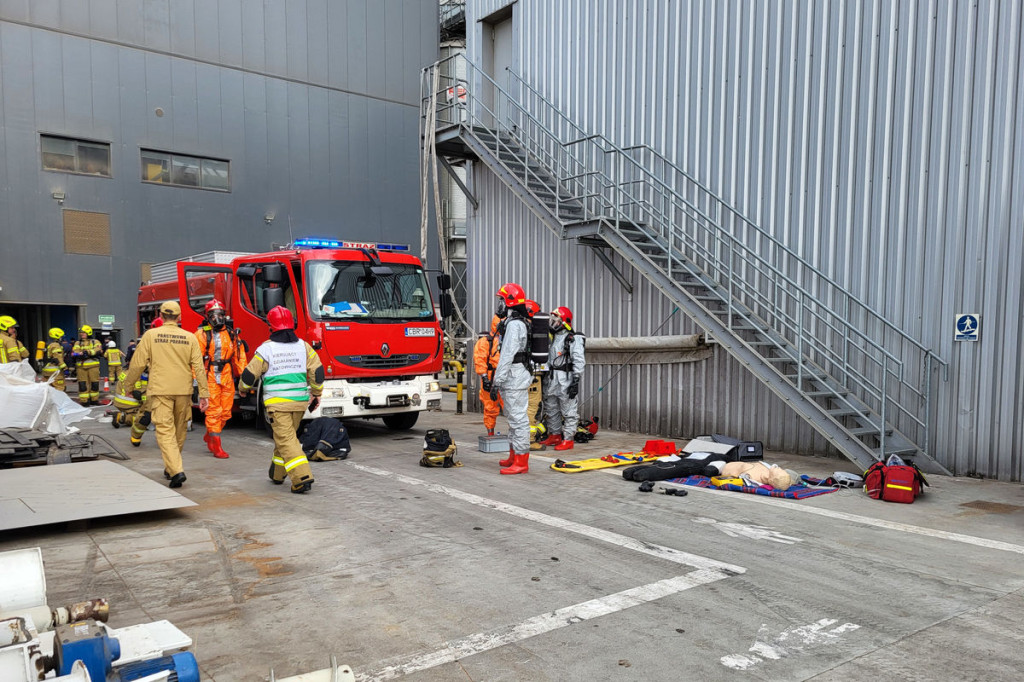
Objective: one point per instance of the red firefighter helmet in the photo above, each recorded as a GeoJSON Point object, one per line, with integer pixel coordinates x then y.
{"type": "Point", "coordinates": [280, 318]}
{"type": "Point", "coordinates": [564, 314]}
{"type": "Point", "coordinates": [532, 308]}
{"type": "Point", "coordinates": [213, 304]}
{"type": "Point", "coordinates": [512, 294]}
{"type": "Point", "coordinates": [158, 322]}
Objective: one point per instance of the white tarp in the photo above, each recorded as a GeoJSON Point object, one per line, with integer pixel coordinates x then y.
{"type": "Point", "coordinates": [25, 403]}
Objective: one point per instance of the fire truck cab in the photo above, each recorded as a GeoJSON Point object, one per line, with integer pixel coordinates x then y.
{"type": "Point", "coordinates": [365, 308]}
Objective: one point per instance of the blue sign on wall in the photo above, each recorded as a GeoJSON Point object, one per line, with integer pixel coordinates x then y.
{"type": "Point", "coordinates": [967, 325]}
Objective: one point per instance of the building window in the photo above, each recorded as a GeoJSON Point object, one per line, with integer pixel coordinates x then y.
{"type": "Point", "coordinates": [68, 155]}
{"type": "Point", "coordinates": [180, 170]}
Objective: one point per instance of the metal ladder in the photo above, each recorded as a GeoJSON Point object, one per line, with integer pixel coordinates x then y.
{"type": "Point", "coordinates": [859, 380]}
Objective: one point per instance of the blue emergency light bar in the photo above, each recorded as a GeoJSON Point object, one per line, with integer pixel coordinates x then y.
{"type": "Point", "coordinates": [315, 243]}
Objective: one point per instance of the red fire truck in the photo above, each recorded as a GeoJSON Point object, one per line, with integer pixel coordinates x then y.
{"type": "Point", "coordinates": [364, 307]}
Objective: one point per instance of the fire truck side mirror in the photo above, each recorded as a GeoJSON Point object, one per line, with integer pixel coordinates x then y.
{"type": "Point", "coordinates": [446, 304]}
{"type": "Point", "coordinates": [273, 273]}
{"type": "Point", "coordinates": [444, 281]}
{"type": "Point", "coordinates": [272, 298]}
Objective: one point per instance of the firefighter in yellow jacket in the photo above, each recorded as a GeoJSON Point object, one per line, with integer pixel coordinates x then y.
{"type": "Point", "coordinates": [114, 357]}
{"type": "Point", "coordinates": [87, 352]}
{"type": "Point", "coordinates": [55, 359]}
{"type": "Point", "coordinates": [293, 379]}
{"type": "Point", "coordinates": [223, 357]}
{"type": "Point", "coordinates": [10, 348]}
{"type": "Point", "coordinates": [173, 358]}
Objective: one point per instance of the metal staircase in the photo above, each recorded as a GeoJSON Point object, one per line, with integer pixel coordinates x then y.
{"type": "Point", "coordinates": [857, 379]}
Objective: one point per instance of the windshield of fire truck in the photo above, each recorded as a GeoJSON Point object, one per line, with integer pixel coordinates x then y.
{"type": "Point", "coordinates": [351, 290]}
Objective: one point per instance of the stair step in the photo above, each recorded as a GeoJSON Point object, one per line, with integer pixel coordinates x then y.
{"type": "Point", "coordinates": [807, 376]}
{"type": "Point", "coordinates": [826, 394]}
{"type": "Point", "coordinates": [846, 412]}
{"type": "Point", "coordinates": [868, 431]}
{"type": "Point", "coordinates": [768, 344]}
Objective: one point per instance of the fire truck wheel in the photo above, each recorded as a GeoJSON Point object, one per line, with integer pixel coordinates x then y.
{"type": "Point", "coordinates": [401, 422]}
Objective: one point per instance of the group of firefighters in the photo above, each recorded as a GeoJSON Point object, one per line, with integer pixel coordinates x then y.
{"type": "Point", "coordinates": [157, 386]}
{"type": "Point", "coordinates": [85, 354]}
{"type": "Point", "coordinates": [511, 379]}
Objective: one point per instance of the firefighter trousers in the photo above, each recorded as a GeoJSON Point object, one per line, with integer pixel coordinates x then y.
{"type": "Point", "coordinates": [58, 383]}
{"type": "Point", "coordinates": [140, 422]}
{"type": "Point", "coordinates": [222, 399]}
{"type": "Point", "coordinates": [88, 384]}
{"type": "Point", "coordinates": [170, 418]}
{"type": "Point", "coordinates": [516, 405]}
{"type": "Point", "coordinates": [562, 415]}
{"type": "Point", "coordinates": [492, 408]}
{"type": "Point", "coordinates": [533, 405]}
{"type": "Point", "coordinates": [288, 455]}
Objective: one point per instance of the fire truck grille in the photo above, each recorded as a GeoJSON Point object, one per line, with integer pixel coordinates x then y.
{"type": "Point", "coordinates": [377, 362]}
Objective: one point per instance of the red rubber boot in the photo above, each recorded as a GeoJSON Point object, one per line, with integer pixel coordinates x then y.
{"type": "Point", "coordinates": [553, 439]}
{"type": "Point", "coordinates": [216, 449]}
{"type": "Point", "coordinates": [520, 466]}
{"type": "Point", "coordinates": [564, 445]}
{"type": "Point", "coordinates": [511, 458]}
{"type": "Point", "coordinates": [206, 439]}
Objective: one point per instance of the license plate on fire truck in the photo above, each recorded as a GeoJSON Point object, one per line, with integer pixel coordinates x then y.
{"type": "Point", "coordinates": [419, 331]}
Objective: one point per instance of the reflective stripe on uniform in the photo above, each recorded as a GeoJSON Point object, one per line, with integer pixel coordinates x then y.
{"type": "Point", "coordinates": [279, 461]}
{"type": "Point", "coordinates": [292, 463]}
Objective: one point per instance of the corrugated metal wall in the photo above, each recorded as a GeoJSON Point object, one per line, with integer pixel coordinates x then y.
{"type": "Point", "coordinates": [314, 102]}
{"type": "Point", "coordinates": [882, 140]}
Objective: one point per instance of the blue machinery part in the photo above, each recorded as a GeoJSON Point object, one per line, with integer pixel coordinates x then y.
{"type": "Point", "coordinates": [87, 641]}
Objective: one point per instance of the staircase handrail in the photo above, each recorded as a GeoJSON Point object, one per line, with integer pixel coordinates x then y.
{"type": "Point", "coordinates": [612, 147]}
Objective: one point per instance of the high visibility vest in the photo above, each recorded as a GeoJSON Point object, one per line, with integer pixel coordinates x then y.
{"type": "Point", "coordinates": [113, 357]}
{"type": "Point", "coordinates": [285, 378]}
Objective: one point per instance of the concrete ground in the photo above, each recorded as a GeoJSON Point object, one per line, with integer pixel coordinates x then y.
{"type": "Point", "coordinates": [463, 574]}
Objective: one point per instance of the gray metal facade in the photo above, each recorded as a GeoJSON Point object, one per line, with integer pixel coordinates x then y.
{"type": "Point", "coordinates": [313, 102]}
{"type": "Point", "coordinates": [883, 141]}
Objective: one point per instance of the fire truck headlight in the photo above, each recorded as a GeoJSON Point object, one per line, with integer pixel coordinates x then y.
{"type": "Point", "coordinates": [334, 393]}
{"type": "Point", "coordinates": [434, 387]}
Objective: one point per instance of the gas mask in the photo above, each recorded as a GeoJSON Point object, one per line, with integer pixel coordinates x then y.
{"type": "Point", "coordinates": [217, 319]}
{"type": "Point", "coordinates": [555, 323]}
{"type": "Point", "coordinates": [502, 310]}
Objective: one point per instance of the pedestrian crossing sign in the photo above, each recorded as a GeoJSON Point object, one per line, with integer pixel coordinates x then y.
{"type": "Point", "coordinates": [967, 325]}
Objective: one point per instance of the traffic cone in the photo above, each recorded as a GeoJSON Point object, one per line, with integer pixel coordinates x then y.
{"type": "Point", "coordinates": [106, 385]}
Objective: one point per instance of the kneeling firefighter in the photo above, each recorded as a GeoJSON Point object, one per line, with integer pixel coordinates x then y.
{"type": "Point", "coordinates": [223, 357]}
{"type": "Point", "coordinates": [513, 376]}
{"type": "Point", "coordinates": [561, 388]}
{"type": "Point", "coordinates": [55, 364]}
{"type": "Point", "coordinates": [293, 380]}
{"type": "Point", "coordinates": [132, 404]}
{"type": "Point", "coordinates": [87, 352]}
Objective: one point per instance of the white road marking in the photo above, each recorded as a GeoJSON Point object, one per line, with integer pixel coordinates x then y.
{"type": "Point", "coordinates": [843, 516]}
{"type": "Point", "coordinates": [708, 571]}
{"type": "Point", "coordinates": [456, 649]}
{"type": "Point", "coordinates": [739, 530]}
{"type": "Point", "coordinates": [659, 551]}
{"type": "Point", "coordinates": [787, 641]}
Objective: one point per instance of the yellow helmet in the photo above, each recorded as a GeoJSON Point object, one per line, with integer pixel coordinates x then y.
{"type": "Point", "coordinates": [87, 329]}
{"type": "Point", "coordinates": [56, 333]}
{"type": "Point", "coordinates": [6, 322]}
